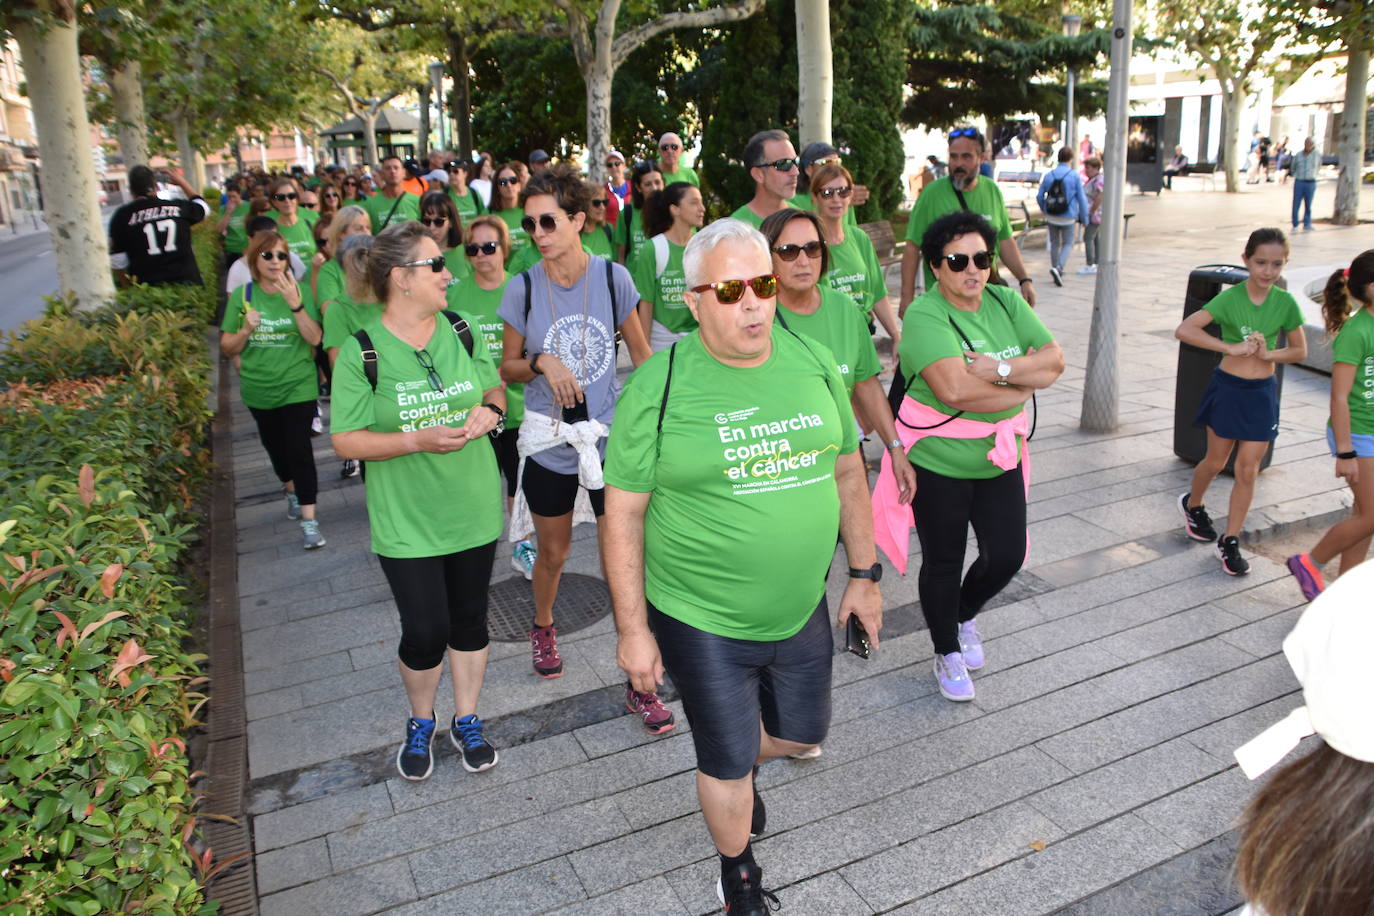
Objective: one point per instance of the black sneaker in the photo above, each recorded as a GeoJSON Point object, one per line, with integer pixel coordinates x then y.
{"type": "Point", "coordinates": [466, 735]}
{"type": "Point", "coordinates": [1196, 522]}
{"type": "Point", "coordinates": [415, 760]}
{"type": "Point", "coordinates": [1232, 563]}
{"type": "Point", "coordinates": [743, 894]}
{"type": "Point", "coordinates": [759, 822]}
{"type": "Point", "coordinates": [349, 469]}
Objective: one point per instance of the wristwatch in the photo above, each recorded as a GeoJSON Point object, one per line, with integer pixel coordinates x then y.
{"type": "Point", "coordinates": [897, 444]}
{"type": "Point", "coordinates": [500, 419]}
{"type": "Point", "coordinates": [1347, 455]}
{"type": "Point", "coordinates": [534, 363]}
{"type": "Point", "coordinates": [874, 572]}
{"type": "Point", "coordinates": [1024, 280]}
{"type": "Point", "coordinates": [1003, 369]}
{"type": "Point", "coordinates": [299, 308]}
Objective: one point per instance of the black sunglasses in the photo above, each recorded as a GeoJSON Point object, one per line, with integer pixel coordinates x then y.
{"type": "Point", "coordinates": [484, 248]}
{"type": "Point", "coordinates": [291, 196]}
{"type": "Point", "coordinates": [842, 193]}
{"type": "Point", "coordinates": [309, 206]}
{"type": "Point", "coordinates": [613, 163]}
{"type": "Point", "coordinates": [435, 220]}
{"type": "Point", "coordinates": [507, 181]}
{"type": "Point", "coordinates": [350, 183]}
{"type": "Point", "coordinates": [331, 194]}
{"type": "Point", "coordinates": [730, 291]}
{"type": "Point", "coordinates": [435, 263]}
{"type": "Point", "coordinates": [278, 255]}
{"type": "Point", "coordinates": [669, 146]}
{"type": "Point", "coordinates": [599, 203]}
{"type": "Point", "coordinates": [959, 262]}
{"type": "Point", "coordinates": [427, 363]}
{"type": "Point", "coordinates": [547, 221]}
{"type": "Point", "coordinates": [782, 165]}
{"type": "Point", "coordinates": [790, 252]}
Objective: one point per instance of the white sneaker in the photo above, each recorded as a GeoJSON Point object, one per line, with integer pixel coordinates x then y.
{"type": "Point", "coordinates": [1089, 269]}
{"type": "Point", "coordinates": [522, 558]}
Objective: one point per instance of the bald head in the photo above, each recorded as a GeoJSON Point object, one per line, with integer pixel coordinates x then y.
{"type": "Point", "coordinates": [669, 151]}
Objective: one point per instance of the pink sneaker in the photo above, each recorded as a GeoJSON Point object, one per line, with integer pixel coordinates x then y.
{"type": "Point", "coordinates": [1308, 574]}
{"type": "Point", "coordinates": [658, 719]}
{"type": "Point", "coordinates": [544, 645]}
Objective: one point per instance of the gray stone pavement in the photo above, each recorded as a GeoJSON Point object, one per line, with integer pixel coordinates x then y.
{"type": "Point", "coordinates": [1093, 773]}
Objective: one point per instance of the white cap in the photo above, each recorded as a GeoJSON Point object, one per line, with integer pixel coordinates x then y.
{"type": "Point", "coordinates": [438, 175]}
{"type": "Point", "coordinates": [1329, 651]}
{"type": "Point", "coordinates": [616, 153]}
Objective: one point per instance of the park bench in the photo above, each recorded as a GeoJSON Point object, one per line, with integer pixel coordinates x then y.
{"type": "Point", "coordinates": [1205, 170]}
{"type": "Point", "coordinates": [1023, 220]}
{"type": "Point", "coordinates": [1019, 177]}
{"type": "Point", "coordinates": [885, 243]}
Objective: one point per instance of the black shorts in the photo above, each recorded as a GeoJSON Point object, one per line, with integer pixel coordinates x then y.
{"type": "Point", "coordinates": [727, 685]}
{"type": "Point", "coordinates": [508, 457]}
{"type": "Point", "coordinates": [551, 494]}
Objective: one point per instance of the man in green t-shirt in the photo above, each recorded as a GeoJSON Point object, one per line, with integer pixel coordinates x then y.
{"type": "Point", "coordinates": [670, 161]}
{"type": "Point", "coordinates": [963, 189]}
{"type": "Point", "coordinates": [772, 163]}
{"type": "Point", "coordinates": [732, 462]}
{"type": "Point", "coordinates": [392, 204]}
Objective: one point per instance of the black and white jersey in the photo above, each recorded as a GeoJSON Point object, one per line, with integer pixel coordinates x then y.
{"type": "Point", "coordinates": [151, 239]}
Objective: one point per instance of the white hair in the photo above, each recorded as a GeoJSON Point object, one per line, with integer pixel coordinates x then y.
{"type": "Point", "coordinates": [727, 230]}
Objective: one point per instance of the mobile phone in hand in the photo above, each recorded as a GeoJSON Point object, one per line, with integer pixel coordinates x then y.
{"type": "Point", "coordinates": [856, 637]}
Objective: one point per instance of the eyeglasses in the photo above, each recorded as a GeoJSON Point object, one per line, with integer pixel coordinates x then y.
{"type": "Point", "coordinates": [599, 203]}
{"type": "Point", "coordinates": [350, 183]}
{"type": "Point", "coordinates": [279, 255]}
{"type": "Point", "coordinates": [547, 221]}
{"type": "Point", "coordinates": [435, 220]}
{"type": "Point", "coordinates": [309, 206]}
{"type": "Point", "coordinates": [669, 147]}
{"type": "Point", "coordinates": [487, 248]}
{"type": "Point", "coordinates": [782, 165]}
{"type": "Point", "coordinates": [427, 363]}
{"type": "Point", "coordinates": [828, 160]}
{"type": "Point", "coordinates": [504, 182]}
{"type": "Point", "coordinates": [435, 263]}
{"type": "Point", "coordinates": [730, 291]}
{"type": "Point", "coordinates": [959, 262]}
{"type": "Point", "coordinates": [842, 193]}
{"type": "Point", "coordinates": [790, 252]}
{"type": "Point", "coordinates": [963, 132]}
{"type": "Point", "coordinates": [331, 195]}
{"type": "Point", "coordinates": [456, 166]}
{"type": "Point", "coordinates": [291, 196]}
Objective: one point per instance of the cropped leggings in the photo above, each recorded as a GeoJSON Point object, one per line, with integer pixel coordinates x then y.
{"type": "Point", "coordinates": [945, 507]}
{"type": "Point", "coordinates": [285, 433]}
{"type": "Point", "coordinates": [443, 603]}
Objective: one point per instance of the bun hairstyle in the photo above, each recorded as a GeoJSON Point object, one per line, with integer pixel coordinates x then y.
{"type": "Point", "coordinates": [658, 215]}
{"type": "Point", "coordinates": [1345, 285]}
{"type": "Point", "coordinates": [394, 246]}
{"type": "Point", "coordinates": [353, 255]}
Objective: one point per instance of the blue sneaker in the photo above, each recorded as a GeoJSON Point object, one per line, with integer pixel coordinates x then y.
{"type": "Point", "coordinates": [293, 506]}
{"type": "Point", "coordinates": [415, 759]}
{"type": "Point", "coordinates": [466, 735]}
{"type": "Point", "coordinates": [522, 559]}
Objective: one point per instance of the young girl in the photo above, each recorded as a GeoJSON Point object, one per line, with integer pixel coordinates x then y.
{"type": "Point", "coordinates": [1241, 405]}
{"type": "Point", "coordinates": [1347, 305]}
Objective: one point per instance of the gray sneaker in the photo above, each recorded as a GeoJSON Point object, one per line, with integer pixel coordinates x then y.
{"type": "Point", "coordinates": [311, 529]}
{"type": "Point", "coordinates": [293, 506]}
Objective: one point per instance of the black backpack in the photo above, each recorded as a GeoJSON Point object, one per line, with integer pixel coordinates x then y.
{"type": "Point", "coordinates": [1056, 199]}
{"type": "Point", "coordinates": [460, 327]}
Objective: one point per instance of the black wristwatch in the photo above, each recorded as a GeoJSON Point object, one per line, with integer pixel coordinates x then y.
{"type": "Point", "coordinates": [299, 308]}
{"type": "Point", "coordinates": [1024, 280]}
{"type": "Point", "coordinates": [874, 572]}
{"type": "Point", "coordinates": [500, 419]}
{"type": "Point", "coordinates": [534, 363]}
{"type": "Point", "coordinates": [1347, 455]}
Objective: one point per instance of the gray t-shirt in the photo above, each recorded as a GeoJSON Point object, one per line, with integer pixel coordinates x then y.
{"type": "Point", "coordinates": [585, 343]}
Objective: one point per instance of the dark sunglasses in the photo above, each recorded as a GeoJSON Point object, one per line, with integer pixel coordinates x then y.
{"type": "Point", "coordinates": [730, 291]}
{"type": "Point", "coordinates": [959, 262]}
{"type": "Point", "coordinates": [669, 146]}
{"type": "Point", "coordinates": [507, 181]}
{"type": "Point", "coordinates": [454, 166]}
{"type": "Point", "coordinates": [790, 252]}
{"type": "Point", "coordinates": [350, 183]}
{"type": "Point", "coordinates": [278, 255]}
{"type": "Point", "coordinates": [331, 195]}
{"type": "Point", "coordinates": [309, 206]}
{"type": "Point", "coordinates": [435, 220]}
{"type": "Point", "coordinates": [613, 163]}
{"type": "Point", "coordinates": [963, 132]}
{"type": "Point", "coordinates": [290, 196]}
{"type": "Point", "coordinates": [842, 193]}
{"type": "Point", "coordinates": [598, 203]}
{"type": "Point", "coordinates": [547, 221]}
{"type": "Point", "coordinates": [435, 263]}
{"type": "Point", "coordinates": [427, 363]}
{"type": "Point", "coordinates": [782, 165]}
{"type": "Point", "coordinates": [487, 248]}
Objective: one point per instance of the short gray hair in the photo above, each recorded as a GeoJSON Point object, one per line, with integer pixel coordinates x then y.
{"type": "Point", "coordinates": [722, 231]}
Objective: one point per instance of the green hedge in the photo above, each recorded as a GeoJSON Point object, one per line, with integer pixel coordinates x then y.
{"type": "Point", "coordinates": [103, 424]}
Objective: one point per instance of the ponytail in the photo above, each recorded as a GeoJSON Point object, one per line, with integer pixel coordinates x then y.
{"type": "Point", "coordinates": [1342, 287]}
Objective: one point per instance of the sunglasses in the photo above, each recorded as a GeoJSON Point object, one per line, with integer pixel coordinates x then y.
{"type": "Point", "coordinates": [963, 132]}
{"type": "Point", "coordinates": [548, 222]}
{"type": "Point", "coordinates": [842, 193]}
{"type": "Point", "coordinates": [730, 291]}
{"type": "Point", "coordinates": [790, 252]}
{"type": "Point", "coordinates": [435, 263]}
{"type": "Point", "coordinates": [435, 220]}
{"type": "Point", "coordinates": [427, 363]}
{"type": "Point", "coordinates": [487, 248]}
{"type": "Point", "coordinates": [613, 163]}
{"type": "Point", "coordinates": [456, 166]}
{"type": "Point", "coordinates": [828, 160]}
{"type": "Point", "coordinates": [668, 147]}
{"type": "Point", "coordinates": [291, 196]}
{"type": "Point", "coordinates": [598, 203]}
{"type": "Point", "coordinates": [350, 184]}
{"type": "Point", "coordinates": [309, 206]}
{"type": "Point", "coordinates": [331, 195]}
{"type": "Point", "coordinates": [504, 182]}
{"type": "Point", "coordinates": [959, 262]}
{"type": "Point", "coordinates": [782, 165]}
{"type": "Point", "coordinates": [278, 255]}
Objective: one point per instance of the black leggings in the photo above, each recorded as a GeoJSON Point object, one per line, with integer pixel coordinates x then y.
{"type": "Point", "coordinates": [285, 433]}
{"type": "Point", "coordinates": [945, 507]}
{"type": "Point", "coordinates": [443, 603]}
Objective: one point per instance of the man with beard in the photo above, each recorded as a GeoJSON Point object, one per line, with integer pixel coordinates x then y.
{"type": "Point", "coordinates": [963, 189]}
{"type": "Point", "coordinates": [772, 163]}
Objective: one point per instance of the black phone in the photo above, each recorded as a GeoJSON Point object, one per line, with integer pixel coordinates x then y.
{"type": "Point", "coordinates": [576, 413]}
{"type": "Point", "coordinates": [856, 637]}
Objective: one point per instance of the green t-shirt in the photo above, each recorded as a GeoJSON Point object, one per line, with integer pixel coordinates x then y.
{"type": "Point", "coordinates": [378, 206]}
{"type": "Point", "coordinates": [855, 271]}
{"type": "Point", "coordinates": [749, 216]}
{"type": "Point", "coordinates": [300, 238]}
{"type": "Point", "coordinates": [928, 335]}
{"type": "Point", "coordinates": [1238, 317]}
{"type": "Point", "coordinates": [842, 329]}
{"type": "Point", "coordinates": [683, 173]}
{"type": "Point", "coordinates": [236, 233]}
{"type": "Point", "coordinates": [803, 201]}
{"type": "Point", "coordinates": [629, 231]}
{"type": "Point", "coordinates": [459, 267]}
{"type": "Point", "coordinates": [422, 504]}
{"type": "Point", "coordinates": [345, 318]}
{"type": "Point", "coordinates": [938, 198]}
{"type": "Point", "coordinates": [519, 238]}
{"type": "Point", "coordinates": [468, 298]}
{"type": "Point", "coordinates": [598, 242]}
{"type": "Point", "coordinates": [469, 205]}
{"type": "Point", "coordinates": [277, 366]}
{"type": "Point", "coordinates": [330, 285]}
{"type": "Point", "coordinates": [663, 290]}
{"type": "Point", "coordinates": [741, 524]}
{"type": "Point", "coordinates": [1355, 345]}
{"type": "Point", "coordinates": [308, 215]}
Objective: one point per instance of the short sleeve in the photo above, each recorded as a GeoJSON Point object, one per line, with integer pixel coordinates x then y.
{"type": "Point", "coordinates": [926, 338]}
{"type": "Point", "coordinates": [512, 308]}
{"type": "Point", "coordinates": [337, 327]}
{"type": "Point", "coordinates": [117, 227]}
{"type": "Point", "coordinates": [1294, 318]}
{"type": "Point", "coordinates": [849, 439]}
{"type": "Point", "coordinates": [627, 295]}
{"type": "Point", "coordinates": [483, 367]}
{"type": "Point", "coordinates": [866, 364]}
{"type": "Point", "coordinates": [233, 312]}
{"type": "Point", "coordinates": [915, 224]}
{"type": "Point", "coordinates": [1216, 306]}
{"type": "Point", "coordinates": [1348, 347]}
{"type": "Point", "coordinates": [1003, 220]}
{"type": "Point", "coordinates": [631, 451]}
{"type": "Point", "coordinates": [644, 273]}
{"type": "Point", "coordinates": [194, 210]}
{"type": "Point", "coordinates": [1030, 330]}
{"type": "Point", "coordinates": [350, 401]}
{"type": "Point", "coordinates": [330, 284]}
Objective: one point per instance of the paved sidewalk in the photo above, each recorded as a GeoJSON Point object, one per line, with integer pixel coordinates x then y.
{"type": "Point", "coordinates": [1092, 773]}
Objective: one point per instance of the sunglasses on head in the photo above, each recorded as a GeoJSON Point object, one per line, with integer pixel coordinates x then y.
{"type": "Point", "coordinates": [435, 263]}
{"type": "Point", "coordinates": [427, 363]}
{"type": "Point", "coordinates": [454, 166]}
{"type": "Point", "coordinates": [790, 252]}
{"type": "Point", "coordinates": [668, 147]}
{"type": "Point", "coordinates": [782, 165]}
{"type": "Point", "coordinates": [435, 220]}
{"type": "Point", "coordinates": [959, 262]}
{"type": "Point", "coordinates": [503, 182]}
{"type": "Point", "coordinates": [547, 221]}
{"type": "Point", "coordinates": [278, 255]}
{"type": "Point", "coordinates": [828, 160]}
{"type": "Point", "coordinates": [963, 132]}
{"type": "Point", "coordinates": [487, 248]}
{"type": "Point", "coordinates": [842, 193]}
{"type": "Point", "coordinates": [730, 291]}
{"type": "Point", "coordinates": [289, 196]}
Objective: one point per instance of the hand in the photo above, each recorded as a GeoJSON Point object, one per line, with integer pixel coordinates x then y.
{"type": "Point", "coordinates": [319, 259]}
{"type": "Point", "coordinates": [637, 655]}
{"type": "Point", "coordinates": [251, 319]}
{"type": "Point", "coordinates": [860, 195]}
{"type": "Point", "coordinates": [1244, 348]}
{"type": "Point", "coordinates": [906, 478]}
{"type": "Point", "coordinates": [481, 420]}
{"type": "Point", "coordinates": [862, 597]}
{"type": "Point", "coordinates": [1027, 291]}
{"type": "Point", "coordinates": [290, 291]}
{"type": "Point", "coordinates": [982, 366]}
{"type": "Point", "coordinates": [566, 390]}
{"type": "Point", "coordinates": [440, 439]}
{"type": "Point", "coordinates": [1349, 468]}
{"type": "Point", "coordinates": [1261, 345]}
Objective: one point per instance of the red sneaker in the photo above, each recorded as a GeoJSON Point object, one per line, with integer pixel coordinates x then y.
{"type": "Point", "coordinates": [658, 719]}
{"type": "Point", "coordinates": [544, 645]}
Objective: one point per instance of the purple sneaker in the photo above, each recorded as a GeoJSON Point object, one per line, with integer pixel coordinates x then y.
{"type": "Point", "coordinates": [952, 675]}
{"type": "Point", "coordinates": [971, 645]}
{"type": "Point", "coordinates": [1308, 574]}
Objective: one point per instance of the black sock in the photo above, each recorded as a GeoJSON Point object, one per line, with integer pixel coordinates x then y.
{"type": "Point", "coordinates": [729, 864]}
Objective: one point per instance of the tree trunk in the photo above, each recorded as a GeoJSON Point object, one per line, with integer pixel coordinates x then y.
{"type": "Point", "coordinates": [1350, 143]}
{"type": "Point", "coordinates": [1232, 102]}
{"type": "Point", "coordinates": [131, 126]}
{"type": "Point", "coordinates": [186, 152]}
{"type": "Point", "coordinates": [461, 109]}
{"type": "Point", "coordinates": [237, 152]}
{"type": "Point", "coordinates": [422, 148]}
{"type": "Point", "coordinates": [598, 79]}
{"type": "Point", "coordinates": [815, 76]}
{"type": "Point", "coordinates": [369, 119]}
{"type": "Point", "coordinates": [70, 207]}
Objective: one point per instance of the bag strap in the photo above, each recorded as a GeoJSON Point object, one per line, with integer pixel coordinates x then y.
{"type": "Point", "coordinates": [476, 199]}
{"type": "Point", "coordinates": [663, 402]}
{"type": "Point", "coordinates": [396, 203]}
{"type": "Point", "coordinates": [629, 231]}
{"type": "Point", "coordinates": [461, 328]}
{"type": "Point", "coordinates": [610, 293]}
{"type": "Point", "coordinates": [610, 235]}
{"type": "Point", "coordinates": [959, 194]}
{"type": "Point", "coordinates": [369, 357]}
{"type": "Point", "coordinates": [248, 293]}
{"type": "Point", "coordinates": [661, 253]}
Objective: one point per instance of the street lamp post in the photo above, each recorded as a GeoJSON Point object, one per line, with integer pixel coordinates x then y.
{"type": "Point", "coordinates": [1072, 22]}
{"type": "Point", "coordinates": [436, 78]}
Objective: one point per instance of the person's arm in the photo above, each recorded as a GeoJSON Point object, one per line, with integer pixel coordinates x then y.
{"type": "Point", "coordinates": [1342, 380]}
{"type": "Point", "coordinates": [882, 310]}
{"type": "Point", "coordinates": [1011, 256]}
{"type": "Point", "coordinates": [482, 420]}
{"type": "Point", "coordinates": [636, 339]}
{"type": "Point", "coordinates": [515, 367]}
{"type": "Point", "coordinates": [1193, 332]}
{"type": "Point", "coordinates": [861, 596]}
{"type": "Point", "coordinates": [366, 445]}
{"type": "Point", "coordinates": [309, 328]}
{"type": "Point", "coordinates": [873, 402]}
{"type": "Point", "coordinates": [1295, 351]}
{"type": "Point", "coordinates": [954, 385]}
{"type": "Point", "coordinates": [911, 262]}
{"type": "Point", "coordinates": [622, 534]}
{"type": "Point", "coordinates": [646, 315]}
{"type": "Point", "coordinates": [1036, 369]}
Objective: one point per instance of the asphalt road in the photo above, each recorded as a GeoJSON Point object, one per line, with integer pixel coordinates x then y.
{"type": "Point", "coordinates": [28, 272]}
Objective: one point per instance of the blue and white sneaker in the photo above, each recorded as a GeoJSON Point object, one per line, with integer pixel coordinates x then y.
{"type": "Point", "coordinates": [415, 759]}
{"type": "Point", "coordinates": [522, 558]}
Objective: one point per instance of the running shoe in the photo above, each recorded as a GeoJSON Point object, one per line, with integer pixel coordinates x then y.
{"type": "Point", "coordinates": [742, 892]}
{"type": "Point", "coordinates": [971, 645]}
{"type": "Point", "coordinates": [522, 557]}
{"type": "Point", "coordinates": [317, 426]}
{"type": "Point", "coordinates": [293, 506]}
{"type": "Point", "coordinates": [1057, 276]}
{"type": "Point", "coordinates": [1196, 522]}
{"type": "Point", "coordinates": [1232, 563]}
{"type": "Point", "coordinates": [544, 645]}
{"type": "Point", "coordinates": [310, 529]}
{"type": "Point", "coordinates": [349, 469]}
{"type": "Point", "coordinates": [1087, 270]}
{"type": "Point", "coordinates": [658, 719]}
{"type": "Point", "coordinates": [952, 675]}
{"type": "Point", "coordinates": [758, 821]}
{"type": "Point", "coordinates": [415, 759]}
{"type": "Point", "coordinates": [466, 735]}
{"type": "Point", "coordinates": [1308, 574]}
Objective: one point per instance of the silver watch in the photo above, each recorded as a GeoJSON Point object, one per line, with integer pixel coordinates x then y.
{"type": "Point", "coordinates": [1003, 369]}
{"type": "Point", "coordinates": [897, 444]}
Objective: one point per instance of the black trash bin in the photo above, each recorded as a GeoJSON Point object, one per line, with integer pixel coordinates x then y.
{"type": "Point", "coordinates": [1195, 365]}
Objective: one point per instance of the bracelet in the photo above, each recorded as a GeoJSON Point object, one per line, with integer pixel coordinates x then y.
{"type": "Point", "coordinates": [1347, 455]}
{"type": "Point", "coordinates": [534, 363]}
{"type": "Point", "coordinates": [299, 308]}
{"type": "Point", "coordinates": [1024, 280]}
